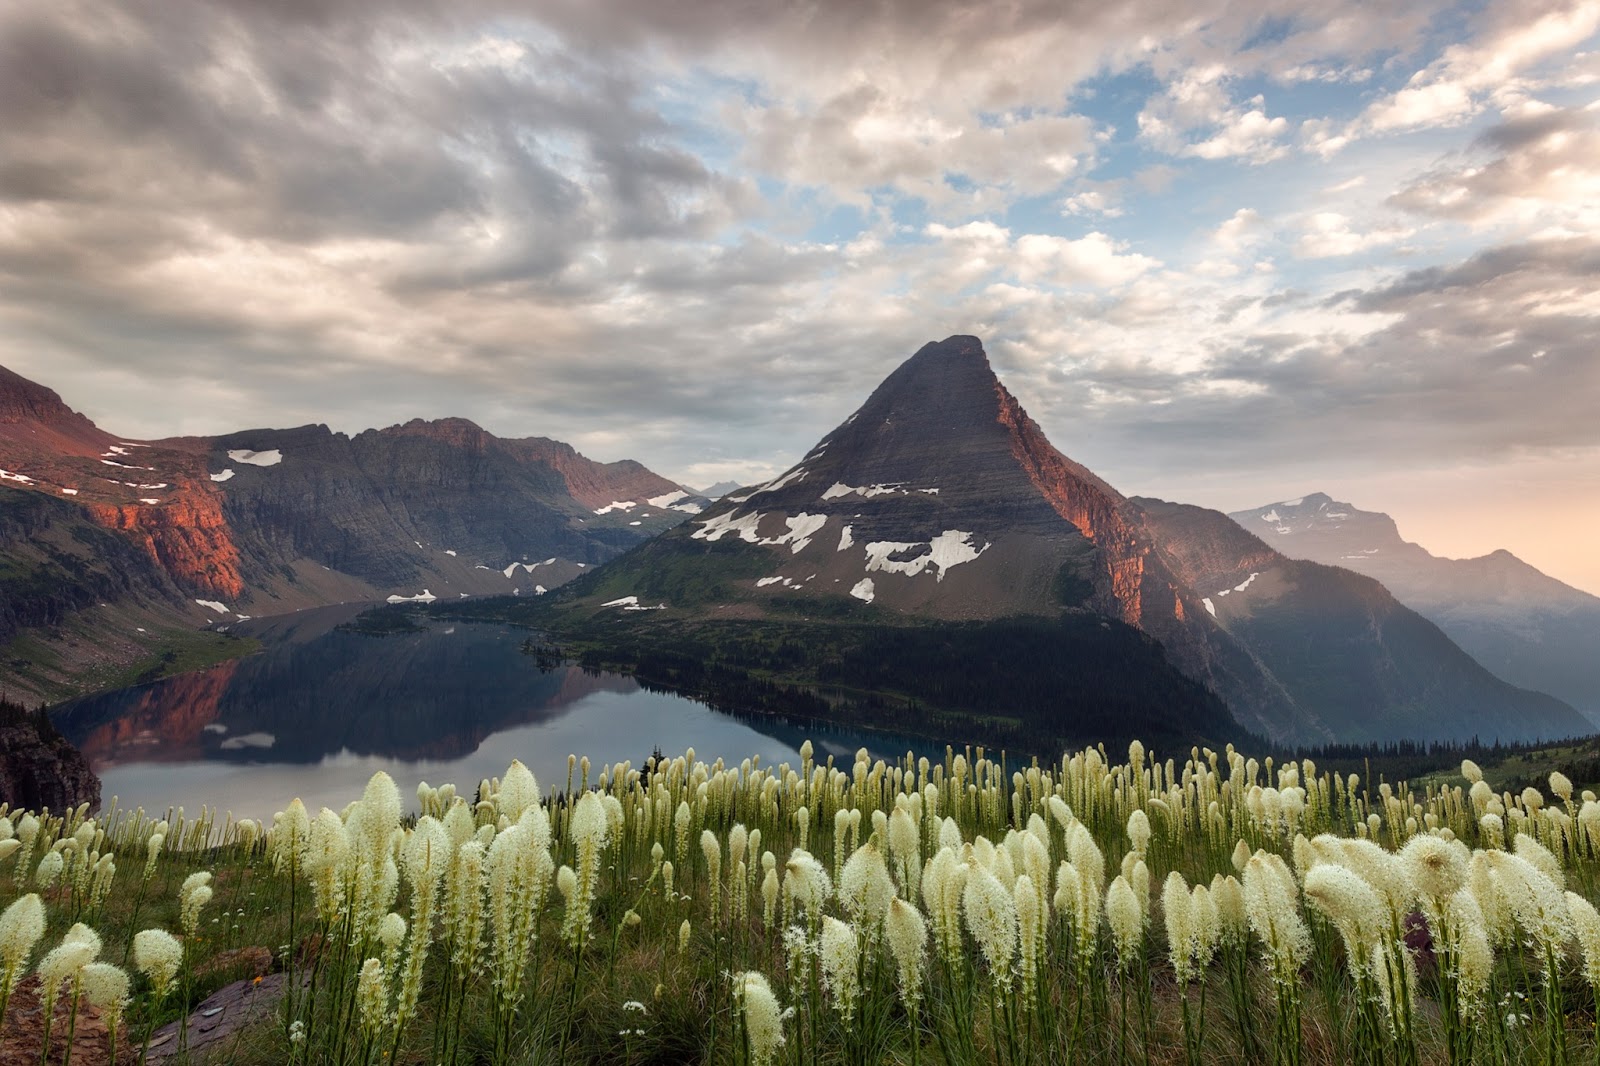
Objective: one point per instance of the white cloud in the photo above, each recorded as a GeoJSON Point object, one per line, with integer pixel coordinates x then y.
{"type": "Point", "coordinates": [1329, 233]}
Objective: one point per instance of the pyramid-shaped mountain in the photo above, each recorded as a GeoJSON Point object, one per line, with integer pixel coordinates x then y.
{"type": "Point", "coordinates": [940, 499]}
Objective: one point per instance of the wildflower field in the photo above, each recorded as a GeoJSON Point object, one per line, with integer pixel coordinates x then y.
{"type": "Point", "coordinates": [1206, 910]}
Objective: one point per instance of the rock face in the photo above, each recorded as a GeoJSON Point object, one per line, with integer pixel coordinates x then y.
{"type": "Point", "coordinates": [1523, 625]}
{"type": "Point", "coordinates": [266, 521]}
{"type": "Point", "coordinates": [941, 499]}
{"type": "Point", "coordinates": [38, 767]}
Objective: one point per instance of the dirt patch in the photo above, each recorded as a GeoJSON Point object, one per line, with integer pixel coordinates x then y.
{"type": "Point", "coordinates": [22, 1030]}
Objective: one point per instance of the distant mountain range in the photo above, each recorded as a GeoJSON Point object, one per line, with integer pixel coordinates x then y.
{"type": "Point", "coordinates": [1524, 625]}
{"type": "Point", "coordinates": [934, 564]}
{"type": "Point", "coordinates": [109, 546]}
{"type": "Point", "coordinates": [941, 502]}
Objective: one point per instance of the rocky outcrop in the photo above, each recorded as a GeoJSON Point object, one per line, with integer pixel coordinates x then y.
{"type": "Point", "coordinates": [38, 767]}
{"type": "Point", "coordinates": [186, 535]}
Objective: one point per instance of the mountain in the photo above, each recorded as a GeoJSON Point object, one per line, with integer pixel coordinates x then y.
{"type": "Point", "coordinates": [1524, 625]}
{"type": "Point", "coordinates": [941, 500]}
{"type": "Point", "coordinates": [166, 536]}
{"type": "Point", "coordinates": [721, 489]}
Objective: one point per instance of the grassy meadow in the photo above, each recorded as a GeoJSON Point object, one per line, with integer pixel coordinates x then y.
{"type": "Point", "coordinates": [1115, 909]}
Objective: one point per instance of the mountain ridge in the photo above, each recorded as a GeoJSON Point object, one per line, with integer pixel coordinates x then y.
{"type": "Point", "coordinates": [940, 500]}
{"type": "Point", "coordinates": [264, 521]}
{"type": "Point", "coordinates": [1525, 626]}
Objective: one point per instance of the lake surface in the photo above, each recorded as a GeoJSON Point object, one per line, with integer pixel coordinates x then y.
{"type": "Point", "coordinates": [321, 709]}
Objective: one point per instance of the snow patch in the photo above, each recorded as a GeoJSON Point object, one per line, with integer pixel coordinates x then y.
{"type": "Point", "coordinates": [764, 582]}
{"type": "Point", "coordinates": [270, 457]}
{"type": "Point", "coordinates": [21, 479]}
{"type": "Point", "coordinates": [930, 492]}
{"type": "Point", "coordinates": [863, 590]}
{"type": "Point", "coordinates": [839, 489]}
{"type": "Point", "coordinates": [249, 740]}
{"type": "Point", "coordinates": [845, 539]}
{"type": "Point", "coordinates": [635, 523]}
{"type": "Point", "coordinates": [213, 605]}
{"type": "Point", "coordinates": [668, 500]}
{"type": "Point", "coordinates": [1285, 530]}
{"type": "Point", "coordinates": [422, 597]}
{"type": "Point", "coordinates": [1271, 516]}
{"type": "Point", "coordinates": [146, 499]}
{"type": "Point", "coordinates": [625, 601]}
{"type": "Point", "coordinates": [115, 450]}
{"type": "Point", "coordinates": [950, 548]}
{"type": "Point", "coordinates": [539, 590]}
{"type": "Point", "coordinates": [617, 505]}
{"type": "Point", "coordinates": [69, 492]}
{"type": "Point", "coordinates": [801, 529]}
{"type": "Point", "coordinates": [713, 529]}
{"type": "Point", "coordinates": [1337, 514]}
{"type": "Point", "coordinates": [1246, 583]}
{"type": "Point", "coordinates": [1292, 503]}
{"type": "Point", "coordinates": [447, 551]}
{"type": "Point", "coordinates": [687, 508]}
{"type": "Point", "coordinates": [1210, 606]}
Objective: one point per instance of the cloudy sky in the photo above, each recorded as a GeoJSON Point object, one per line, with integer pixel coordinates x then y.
{"type": "Point", "coordinates": [1225, 251]}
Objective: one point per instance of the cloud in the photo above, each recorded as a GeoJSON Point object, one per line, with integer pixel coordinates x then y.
{"type": "Point", "coordinates": [1329, 233]}
{"type": "Point", "coordinates": [1194, 116]}
{"type": "Point", "coordinates": [1512, 39]}
{"type": "Point", "coordinates": [1540, 164]}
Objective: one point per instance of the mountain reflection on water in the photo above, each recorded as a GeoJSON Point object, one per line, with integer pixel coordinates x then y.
{"type": "Point", "coordinates": [321, 709]}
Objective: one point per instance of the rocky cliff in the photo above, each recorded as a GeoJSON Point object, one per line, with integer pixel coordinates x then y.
{"type": "Point", "coordinates": [38, 767]}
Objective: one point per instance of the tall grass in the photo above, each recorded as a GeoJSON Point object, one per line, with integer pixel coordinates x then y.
{"type": "Point", "coordinates": [961, 912]}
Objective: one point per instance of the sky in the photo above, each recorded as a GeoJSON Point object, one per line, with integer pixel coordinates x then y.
{"type": "Point", "coordinates": [1224, 251]}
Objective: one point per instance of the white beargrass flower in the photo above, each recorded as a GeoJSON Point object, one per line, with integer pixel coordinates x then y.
{"type": "Point", "coordinates": [840, 951]}
{"type": "Point", "coordinates": [991, 917]}
{"type": "Point", "coordinates": [519, 871]}
{"type": "Point", "coordinates": [464, 904]}
{"type": "Point", "coordinates": [327, 847]}
{"type": "Point", "coordinates": [158, 955]}
{"type": "Point", "coordinates": [1470, 771]}
{"type": "Point", "coordinates": [105, 986]}
{"type": "Point", "coordinates": [22, 924]}
{"type": "Point", "coordinates": [194, 901]}
{"type": "Point", "coordinates": [426, 854]}
{"type": "Point", "coordinates": [1126, 920]}
{"type": "Point", "coordinates": [907, 936]}
{"type": "Point", "coordinates": [589, 830]}
{"type": "Point", "coordinates": [805, 885]}
{"type": "Point", "coordinates": [1353, 906]}
{"type": "Point", "coordinates": [49, 870]}
{"type": "Point", "coordinates": [865, 889]}
{"type": "Point", "coordinates": [1233, 923]}
{"type": "Point", "coordinates": [711, 848]}
{"type": "Point", "coordinates": [1139, 830]}
{"type": "Point", "coordinates": [943, 882]}
{"type": "Point", "coordinates": [1030, 935]}
{"type": "Point", "coordinates": [1586, 926]}
{"type": "Point", "coordinates": [763, 1018]}
{"type": "Point", "coordinates": [1272, 907]}
{"type": "Point", "coordinates": [519, 790]}
{"type": "Point", "coordinates": [1534, 899]}
{"type": "Point", "coordinates": [152, 852]}
{"type": "Point", "coordinates": [1177, 911]}
{"type": "Point", "coordinates": [1541, 857]}
{"type": "Point", "coordinates": [1437, 867]}
{"type": "Point", "coordinates": [906, 849]}
{"type": "Point", "coordinates": [372, 998]}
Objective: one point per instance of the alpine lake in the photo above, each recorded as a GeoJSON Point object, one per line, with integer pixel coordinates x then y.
{"type": "Point", "coordinates": [321, 708]}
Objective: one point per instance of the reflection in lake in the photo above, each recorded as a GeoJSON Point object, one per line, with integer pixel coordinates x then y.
{"type": "Point", "coordinates": [321, 709]}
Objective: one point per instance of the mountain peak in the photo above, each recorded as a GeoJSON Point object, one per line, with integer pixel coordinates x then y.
{"type": "Point", "coordinates": [25, 400]}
